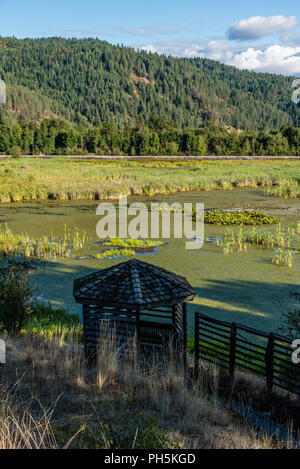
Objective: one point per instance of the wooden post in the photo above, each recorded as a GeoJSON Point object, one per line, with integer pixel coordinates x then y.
{"type": "Point", "coordinates": [196, 345]}
{"type": "Point", "coordinates": [184, 326]}
{"type": "Point", "coordinates": [84, 320]}
{"type": "Point", "coordinates": [176, 349]}
{"type": "Point", "coordinates": [138, 337]}
{"type": "Point", "coordinates": [270, 363]}
{"type": "Point", "coordinates": [232, 355]}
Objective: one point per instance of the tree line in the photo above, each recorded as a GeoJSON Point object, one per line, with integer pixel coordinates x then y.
{"type": "Point", "coordinates": [156, 137]}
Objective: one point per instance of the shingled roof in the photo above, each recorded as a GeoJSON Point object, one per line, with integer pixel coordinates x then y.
{"type": "Point", "coordinates": [133, 284]}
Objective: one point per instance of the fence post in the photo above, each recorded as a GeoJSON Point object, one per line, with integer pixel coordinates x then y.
{"type": "Point", "coordinates": [137, 332]}
{"type": "Point", "coordinates": [270, 363]}
{"type": "Point", "coordinates": [184, 319]}
{"type": "Point", "coordinates": [232, 355]}
{"type": "Point", "coordinates": [196, 345]}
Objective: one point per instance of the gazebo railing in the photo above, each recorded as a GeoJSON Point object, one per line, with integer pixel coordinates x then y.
{"type": "Point", "coordinates": [149, 327]}
{"type": "Point", "coordinates": [236, 347]}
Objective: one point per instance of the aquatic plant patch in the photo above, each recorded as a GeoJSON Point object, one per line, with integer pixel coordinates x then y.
{"type": "Point", "coordinates": [127, 247]}
{"type": "Point", "coordinates": [21, 247]}
{"type": "Point", "coordinates": [138, 245]}
{"type": "Point", "coordinates": [283, 257]}
{"type": "Point", "coordinates": [283, 239]}
{"type": "Point", "coordinates": [115, 253]}
{"type": "Point", "coordinates": [238, 217]}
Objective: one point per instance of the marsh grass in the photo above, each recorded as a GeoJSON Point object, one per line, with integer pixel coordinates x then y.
{"type": "Point", "coordinates": [283, 257]}
{"type": "Point", "coordinates": [291, 191]}
{"type": "Point", "coordinates": [283, 239]}
{"type": "Point", "coordinates": [63, 179]}
{"type": "Point", "coordinates": [21, 246]}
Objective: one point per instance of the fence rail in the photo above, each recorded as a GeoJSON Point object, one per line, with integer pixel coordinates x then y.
{"type": "Point", "coordinates": [233, 346]}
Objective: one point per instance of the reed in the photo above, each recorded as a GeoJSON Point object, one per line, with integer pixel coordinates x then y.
{"type": "Point", "coordinates": [21, 246]}
{"type": "Point", "coordinates": [291, 191]}
{"type": "Point", "coordinates": [283, 239]}
{"type": "Point", "coordinates": [63, 179]}
{"type": "Point", "coordinates": [283, 257]}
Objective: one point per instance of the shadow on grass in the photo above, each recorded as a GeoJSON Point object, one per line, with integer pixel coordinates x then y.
{"type": "Point", "coordinates": [243, 302]}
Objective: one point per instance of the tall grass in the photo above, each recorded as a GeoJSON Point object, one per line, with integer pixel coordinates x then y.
{"type": "Point", "coordinates": [241, 240]}
{"type": "Point", "coordinates": [283, 239]}
{"type": "Point", "coordinates": [48, 247]}
{"type": "Point", "coordinates": [62, 179]}
{"type": "Point", "coordinates": [283, 257]}
{"type": "Point", "coordinates": [291, 191]}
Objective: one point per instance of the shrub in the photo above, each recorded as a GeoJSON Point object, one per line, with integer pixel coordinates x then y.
{"type": "Point", "coordinates": [16, 152]}
{"type": "Point", "coordinates": [15, 298]}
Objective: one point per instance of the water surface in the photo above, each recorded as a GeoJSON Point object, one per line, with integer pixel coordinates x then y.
{"type": "Point", "coordinates": [245, 288]}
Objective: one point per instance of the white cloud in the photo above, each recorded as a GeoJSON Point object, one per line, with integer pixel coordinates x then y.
{"type": "Point", "coordinates": [218, 50]}
{"type": "Point", "coordinates": [281, 59]}
{"type": "Point", "coordinates": [273, 59]}
{"type": "Point", "coordinates": [178, 48]}
{"type": "Point", "coordinates": [260, 26]}
{"type": "Point", "coordinates": [150, 48]}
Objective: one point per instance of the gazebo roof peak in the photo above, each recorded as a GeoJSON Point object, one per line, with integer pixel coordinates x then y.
{"type": "Point", "coordinates": [133, 284]}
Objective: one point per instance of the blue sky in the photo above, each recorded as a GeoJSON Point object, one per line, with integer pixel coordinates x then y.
{"type": "Point", "coordinates": [258, 35]}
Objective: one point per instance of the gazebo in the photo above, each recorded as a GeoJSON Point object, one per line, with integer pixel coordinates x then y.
{"type": "Point", "coordinates": [137, 299]}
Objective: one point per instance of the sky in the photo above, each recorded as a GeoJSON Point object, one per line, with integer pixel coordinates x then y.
{"type": "Point", "coordinates": [259, 35]}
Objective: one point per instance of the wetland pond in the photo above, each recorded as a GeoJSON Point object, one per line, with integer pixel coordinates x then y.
{"type": "Point", "coordinates": [242, 287]}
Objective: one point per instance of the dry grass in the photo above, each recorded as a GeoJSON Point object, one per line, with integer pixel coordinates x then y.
{"type": "Point", "coordinates": [49, 399]}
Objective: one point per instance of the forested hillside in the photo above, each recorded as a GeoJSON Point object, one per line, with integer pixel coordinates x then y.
{"type": "Point", "coordinates": [90, 82]}
{"type": "Point", "coordinates": [25, 104]}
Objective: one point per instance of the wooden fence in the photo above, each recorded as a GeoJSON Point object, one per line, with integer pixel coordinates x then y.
{"type": "Point", "coordinates": [234, 346]}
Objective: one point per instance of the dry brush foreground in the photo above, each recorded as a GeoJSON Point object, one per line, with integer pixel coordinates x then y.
{"type": "Point", "coordinates": [49, 399]}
